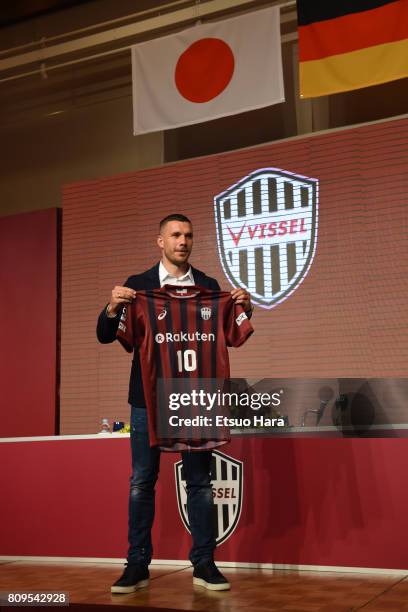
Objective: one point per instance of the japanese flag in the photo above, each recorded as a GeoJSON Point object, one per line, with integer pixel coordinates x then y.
{"type": "Point", "coordinates": [208, 71]}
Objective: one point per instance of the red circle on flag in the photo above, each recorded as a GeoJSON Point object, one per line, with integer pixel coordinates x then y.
{"type": "Point", "coordinates": [204, 70]}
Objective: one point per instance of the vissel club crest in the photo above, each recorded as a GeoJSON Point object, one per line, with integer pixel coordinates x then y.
{"type": "Point", "coordinates": [267, 233]}
{"type": "Point", "coordinates": [227, 479]}
{"type": "Point", "coordinates": [205, 313]}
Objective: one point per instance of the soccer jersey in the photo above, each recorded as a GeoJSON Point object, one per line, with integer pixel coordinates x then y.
{"type": "Point", "coordinates": [181, 332]}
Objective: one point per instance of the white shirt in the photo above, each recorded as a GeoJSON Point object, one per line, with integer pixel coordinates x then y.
{"type": "Point", "coordinates": [168, 279]}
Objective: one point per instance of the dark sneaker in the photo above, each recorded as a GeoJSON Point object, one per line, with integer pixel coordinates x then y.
{"type": "Point", "coordinates": [206, 574]}
{"type": "Point", "coordinates": [133, 578]}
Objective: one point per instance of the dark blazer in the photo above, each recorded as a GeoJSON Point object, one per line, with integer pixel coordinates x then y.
{"type": "Point", "coordinates": [107, 326]}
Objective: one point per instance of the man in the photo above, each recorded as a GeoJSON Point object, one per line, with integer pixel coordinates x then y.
{"type": "Point", "coordinates": [175, 241]}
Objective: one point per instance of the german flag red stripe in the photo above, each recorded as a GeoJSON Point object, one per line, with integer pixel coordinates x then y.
{"type": "Point", "coordinates": [384, 24]}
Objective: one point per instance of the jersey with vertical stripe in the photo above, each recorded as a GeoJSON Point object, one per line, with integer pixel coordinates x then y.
{"type": "Point", "coordinates": [182, 332]}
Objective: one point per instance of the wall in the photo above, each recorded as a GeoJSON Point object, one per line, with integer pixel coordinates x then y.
{"type": "Point", "coordinates": [82, 143]}
{"type": "Point", "coordinates": [305, 502]}
{"type": "Point", "coordinates": [29, 313]}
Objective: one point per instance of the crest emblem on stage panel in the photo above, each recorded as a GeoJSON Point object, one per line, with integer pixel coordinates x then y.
{"type": "Point", "coordinates": [205, 313]}
{"type": "Point", "coordinates": [267, 233]}
{"type": "Point", "coordinates": [227, 481]}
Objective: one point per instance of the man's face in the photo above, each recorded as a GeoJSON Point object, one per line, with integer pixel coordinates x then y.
{"type": "Point", "coordinates": [176, 242]}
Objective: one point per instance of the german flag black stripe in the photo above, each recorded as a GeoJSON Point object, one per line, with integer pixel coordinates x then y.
{"type": "Point", "coordinates": [311, 11]}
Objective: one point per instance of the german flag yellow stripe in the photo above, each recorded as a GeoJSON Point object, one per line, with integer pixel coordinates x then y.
{"type": "Point", "coordinates": [348, 71]}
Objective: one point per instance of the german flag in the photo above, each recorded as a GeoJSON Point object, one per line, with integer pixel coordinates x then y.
{"type": "Point", "coordinates": [348, 44]}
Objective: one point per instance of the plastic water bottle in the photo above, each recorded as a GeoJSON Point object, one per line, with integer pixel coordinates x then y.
{"type": "Point", "coordinates": [105, 427]}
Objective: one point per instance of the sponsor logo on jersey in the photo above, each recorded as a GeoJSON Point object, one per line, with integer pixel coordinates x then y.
{"type": "Point", "coordinates": [162, 314]}
{"type": "Point", "coordinates": [124, 314]}
{"type": "Point", "coordinates": [184, 337]}
{"type": "Point", "coordinates": [205, 313]}
{"type": "Point", "coordinates": [267, 233]}
{"type": "Point", "coordinates": [122, 327]}
{"type": "Point", "coordinates": [240, 319]}
{"type": "Point", "coordinates": [227, 482]}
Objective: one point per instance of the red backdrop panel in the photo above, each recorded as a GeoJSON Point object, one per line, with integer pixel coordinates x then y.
{"type": "Point", "coordinates": [28, 312]}
{"type": "Point", "coordinates": [346, 319]}
{"type": "Point", "coordinates": [305, 501]}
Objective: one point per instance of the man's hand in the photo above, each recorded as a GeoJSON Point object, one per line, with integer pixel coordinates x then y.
{"type": "Point", "coordinates": [120, 295]}
{"type": "Point", "coordinates": [240, 296]}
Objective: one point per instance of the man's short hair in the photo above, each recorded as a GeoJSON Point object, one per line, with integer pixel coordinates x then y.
{"type": "Point", "coordinates": [173, 217]}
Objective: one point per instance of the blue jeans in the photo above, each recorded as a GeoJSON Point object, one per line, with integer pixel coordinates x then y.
{"type": "Point", "coordinates": [145, 470]}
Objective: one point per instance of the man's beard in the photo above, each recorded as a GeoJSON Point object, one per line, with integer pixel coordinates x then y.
{"type": "Point", "coordinates": [175, 258]}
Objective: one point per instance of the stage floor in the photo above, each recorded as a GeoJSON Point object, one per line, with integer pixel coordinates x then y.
{"type": "Point", "coordinates": [251, 590]}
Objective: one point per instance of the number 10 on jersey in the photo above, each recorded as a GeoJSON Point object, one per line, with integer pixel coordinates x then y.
{"type": "Point", "coordinates": [187, 360]}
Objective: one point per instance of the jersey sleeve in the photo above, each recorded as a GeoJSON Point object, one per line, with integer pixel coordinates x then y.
{"type": "Point", "coordinates": [125, 333]}
{"type": "Point", "coordinates": [237, 325]}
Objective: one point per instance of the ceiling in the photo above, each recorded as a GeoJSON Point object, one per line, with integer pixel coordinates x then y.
{"type": "Point", "coordinates": [23, 10]}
